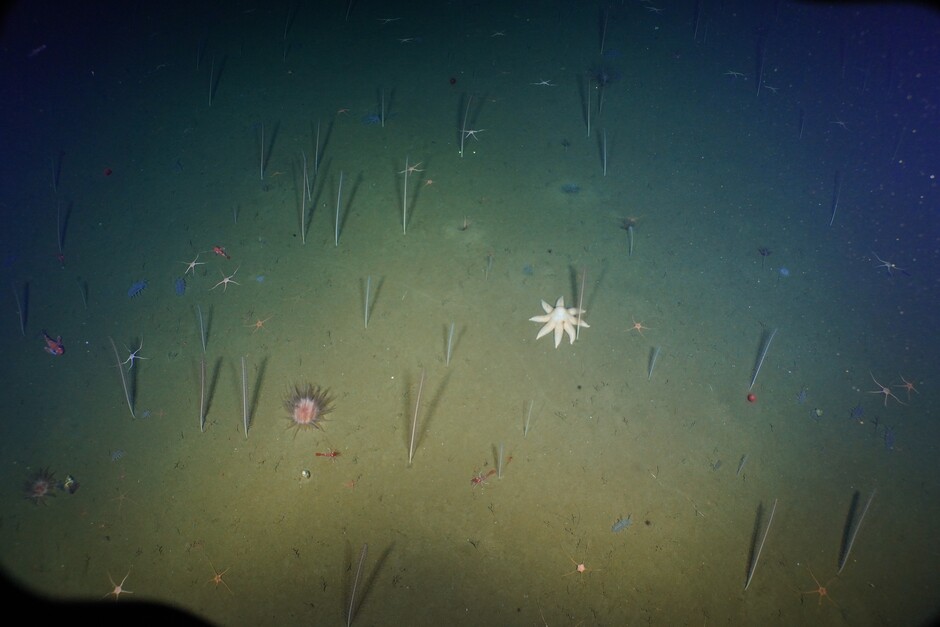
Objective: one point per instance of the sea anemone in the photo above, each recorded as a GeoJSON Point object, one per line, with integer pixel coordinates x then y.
{"type": "Point", "coordinates": [307, 405]}
{"type": "Point", "coordinates": [40, 485]}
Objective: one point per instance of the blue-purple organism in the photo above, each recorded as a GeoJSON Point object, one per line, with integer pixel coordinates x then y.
{"type": "Point", "coordinates": [801, 396]}
{"type": "Point", "coordinates": [857, 412]}
{"type": "Point", "coordinates": [889, 439]}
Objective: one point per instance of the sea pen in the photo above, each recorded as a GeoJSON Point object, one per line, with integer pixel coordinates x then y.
{"type": "Point", "coordinates": [366, 309]}
{"type": "Point", "coordinates": [588, 110]}
{"type": "Point", "coordinates": [760, 548]}
{"type": "Point", "coordinates": [450, 339]}
{"type": "Point", "coordinates": [202, 329]}
{"type": "Point", "coordinates": [202, 395]}
{"type": "Point", "coordinates": [525, 425]}
{"type": "Point", "coordinates": [741, 464]}
{"type": "Point", "coordinates": [339, 194]}
{"type": "Point", "coordinates": [414, 421]}
{"type": "Point", "coordinates": [211, 74]}
{"type": "Point", "coordinates": [262, 152]}
{"type": "Point", "coordinates": [649, 376]}
{"type": "Point", "coordinates": [304, 194]}
{"type": "Point", "coordinates": [404, 198]}
{"type": "Point", "coordinates": [352, 595]}
{"type": "Point", "coordinates": [897, 146]}
{"type": "Point", "coordinates": [58, 226]}
{"type": "Point", "coordinates": [835, 200]}
{"type": "Point", "coordinates": [463, 129]}
{"type": "Point", "coordinates": [499, 462]}
{"type": "Point", "coordinates": [382, 116]}
{"type": "Point", "coordinates": [19, 308]}
{"type": "Point", "coordinates": [577, 328]}
{"type": "Point", "coordinates": [604, 143]}
{"type": "Point", "coordinates": [316, 152]}
{"type": "Point", "coordinates": [127, 394]}
{"type": "Point", "coordinates": [83, 290]}
{"type": "Point", "coordinates": [245, 395]}
{"type": "Point", "coordinates": [761, 361]}
{"type": "Point", "coordinates": [848, 548]}
{"type": "Point", "coordinates": [630, 234]}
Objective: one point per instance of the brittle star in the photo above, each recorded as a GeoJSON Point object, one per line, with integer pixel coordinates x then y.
{"type": "Point", "coordinates": [191, 266]}
{"type": "Point", "coordinates": [886, 391]}
{"type": "Point", "coordinates": [638, 326]}
{"type": "Point", "coordinates": [821, 590]}
{"type": "Point", "coordinates": [655, 10]}
{"type": "Point", "coordinates": [887, 265]}
{"type": "Point", "coordinates": [547, 83]}
{"type": "Point", "coordinates": [258, 325]}
{"type": "Point", "coordinates": [838, 122]}
{"type": "Point", "coordinates": [118, 587]}
{"type": "Point", "coordinates": [386, 20]}
{"type": "Point", "coordinates": [473, 134]}
{"type": "Point", "coordinates": [580, 568]}
{"type": "Point", "coordinates": [225, 281]}
{"type": "Point", "coordinates": [412, 168]}
{"type": "Point", "coordinates": [133, 355]}
{"type": "Point", "coordinates": [734, 74]}
{"type": "Point", "coordinates": [907, 385]}
{"type": "Point", "coordinates": [217, 579]}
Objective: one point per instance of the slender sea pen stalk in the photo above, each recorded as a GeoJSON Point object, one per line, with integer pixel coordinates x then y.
{"type": "Point", "coordinates": [404, 201]}
{"type": "Point", "coordinates": [120, 367]}
{"type": "Point", "coordinates": [352, 595]}
{"type": "Point", "coordinates": [245, 395]}
{"type": "Point", "coordinates": [762, 356]}
{"type": "Point", "coordinates": [450, 339]}
{"type": "Point", "coordinates": [577, 329]}
{"type": "Point", "coordinates": [19, 308]}
{"type": "Point", "coordinates": [202, 395]}
{"type": "Point", "coordinates": [339, 194]}
{"type": "Point", "coordinates": [653, 363]}
{"type": "Point", "coordinates": [366, 309]}
{"type": "Point", "coordinates": [202, 329]}
{"type": "Point", "coordinates": [848, 548]}
{"type": "Point", "coordinates": [414, 422]}
{"type": "Point", "coordinates": [753, 567]}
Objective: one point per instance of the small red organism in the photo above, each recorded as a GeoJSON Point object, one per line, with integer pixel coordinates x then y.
{"type": "Point", "coordinates": [752, 398]}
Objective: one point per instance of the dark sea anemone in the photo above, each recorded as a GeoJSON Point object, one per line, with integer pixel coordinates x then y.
{"type": "Point", "coordinates": [40, 485]}
{"type": "Point", "coordinates": [307, 405]}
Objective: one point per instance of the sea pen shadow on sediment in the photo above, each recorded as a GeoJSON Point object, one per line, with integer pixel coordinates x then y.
{"type": "Point", "coordinates": [256, 387]}
{"type": "Point", "coordinates": [215, 371]}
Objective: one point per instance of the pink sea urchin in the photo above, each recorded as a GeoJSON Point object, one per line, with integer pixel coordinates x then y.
{"type": "Point", "coordinates": [307, 405]}
{"type": "Point", "coordinates": [40, 485]}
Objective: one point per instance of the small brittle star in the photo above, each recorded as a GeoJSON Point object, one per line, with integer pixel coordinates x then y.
{"type": "Point", "coordinates": [821, 590]}
{"type": "Point", "coordinates": [887, 265]}
{"type": "Point", "coordinates": [133, 355]}
{"type": "Point", "coordinates": [191, 265]}
{"type": "Point", "coordinates": [226, 280]}
{"type": "Point", "coordinates": [217, 578]}
{"type": "Point", "coordinates": [638, 326]}
{"type": "Point", "coordinates": [412, 168]}
{"type": "Point", "coordinates": [473, 134]}
{"type": "Point", "coordinates": [259, 324]}
{"type": "Point", "coordinates": [543, 83]}
{"type": "Point", "coordinates": [580, 568]}
{"type": "Point", "coordinates": [118, 587]}
{"type": "Point", "coordinates": [884, 390]}
{"type": "Point", "coordinates": [907, 385]}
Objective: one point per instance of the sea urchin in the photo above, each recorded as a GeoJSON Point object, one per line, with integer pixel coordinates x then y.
{"type": "Point", "coordinates": [41, 484]}
{"type": "Point", "coordinates": [307, 405]}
